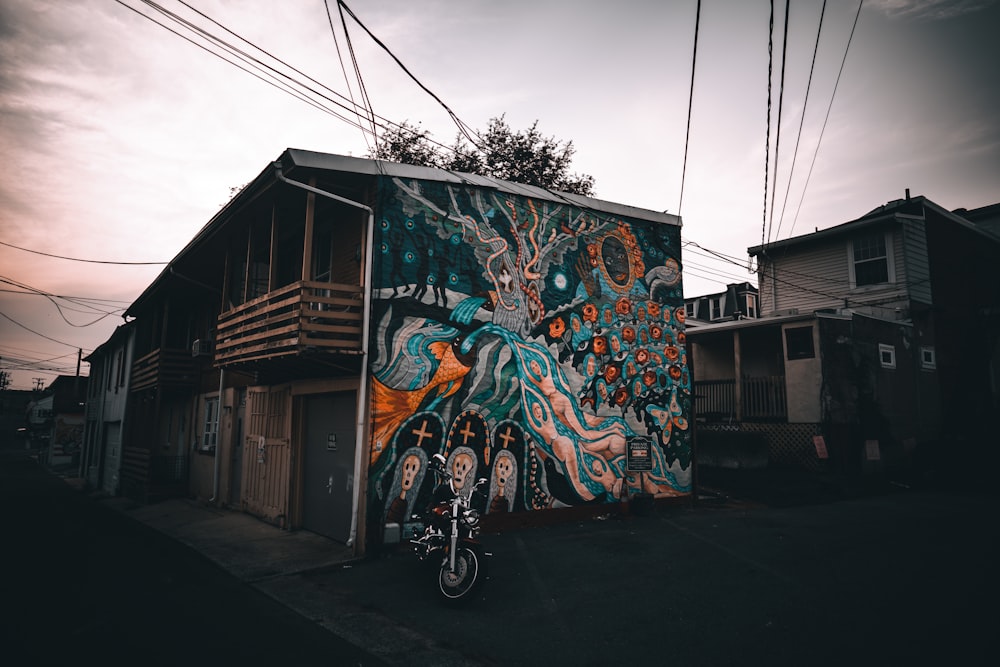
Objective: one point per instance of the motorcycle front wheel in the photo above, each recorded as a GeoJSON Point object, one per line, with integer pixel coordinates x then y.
{"type": "Point", "coordinates": [458, 585]}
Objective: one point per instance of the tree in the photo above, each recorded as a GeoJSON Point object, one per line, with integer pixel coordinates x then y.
{"type": "Point", "coordinates": [523, 157]}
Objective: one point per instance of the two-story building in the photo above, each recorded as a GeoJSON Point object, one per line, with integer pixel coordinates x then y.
{"type": "Point", "coordinates": [107, 393]}
{"type": "Point", "coordinates": [342, 320]}
{"type": "Point", "coordinates": [878, 344]}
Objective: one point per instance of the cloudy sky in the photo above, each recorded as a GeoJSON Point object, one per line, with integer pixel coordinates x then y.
{"type": "Point", "coordinates": [122, 138]}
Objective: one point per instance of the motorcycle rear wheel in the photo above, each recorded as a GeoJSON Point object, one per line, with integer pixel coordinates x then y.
{"type": "Point", "coordinates": [458, 586]}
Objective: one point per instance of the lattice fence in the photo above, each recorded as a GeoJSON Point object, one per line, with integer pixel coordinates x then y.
{"type": "Point", "coordinates": [787, 444]}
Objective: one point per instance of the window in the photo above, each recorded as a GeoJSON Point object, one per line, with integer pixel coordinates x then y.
{"type": "Point", "coordinates": [870, 261]}
{"type": "Point", "coordinates": [716, 305]}
{"type": "Point", "coordinates": [751, 310]}
{"type": "Point", "coordinates": [799, 343]}
{"type": "Point", "coordinates": [689, 309]}
{"type": "Point", "coordinates": [928, 360]}
{"type": "Point", "coordinates": [211, 432]}
{"type": "Point", "coordinates": [887, 355]}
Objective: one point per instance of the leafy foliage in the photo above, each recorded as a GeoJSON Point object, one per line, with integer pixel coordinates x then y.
{"type": "Point", "coordinates": [524, 156]}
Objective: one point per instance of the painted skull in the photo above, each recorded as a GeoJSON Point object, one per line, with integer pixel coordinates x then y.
{"type": "Point", "coordinates": [461, 466]}
{"type": "Point", "coordinates": [503, 469]}
{"type": "Point", "coordinates": [411, 465]}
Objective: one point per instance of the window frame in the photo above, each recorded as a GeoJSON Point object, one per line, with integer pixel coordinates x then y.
{"type": "Point", "coordinates": [210, 428]}
{"type": "Point", "coordinates": [888, 258]}
{"type": "Point", "coordinates": [928, 358]}
{"type": "Point", "coordinates": [800, 334]}
{"type": "Point", "coordinates": [883, 349]}
{"type": "Point", "coordinates": [715, 308]}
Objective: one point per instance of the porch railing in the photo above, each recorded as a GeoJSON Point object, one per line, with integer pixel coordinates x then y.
{"type": "Point", "coordinates": [761, 399]}
{"type": "Point", "coordinates": [304, 315]}
{"type": "Point", "coordinates": [163, 367]}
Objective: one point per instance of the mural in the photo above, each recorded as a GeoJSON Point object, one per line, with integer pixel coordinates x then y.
{"type": "Point", "coordinates": [527, 341]}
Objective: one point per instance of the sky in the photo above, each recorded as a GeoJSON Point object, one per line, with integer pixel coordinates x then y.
{"type": "Point", "coordinates": [122, 139]}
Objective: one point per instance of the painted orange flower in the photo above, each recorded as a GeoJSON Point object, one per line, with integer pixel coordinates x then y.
{"type": "Point", "coordinates": [682, 338]}
{"type": "Point", "coordinates": [649, 378]}
{"type": "Point", "coordinates": [623, 306]}
{"type": "Point", "coordinates": [600, 344]}
{"type": "Point", "coordinates": [621, 395]}
{"type": "Point", "coordinates": [628, 333]}
{"type": "Point", "coordinates": [611, 373]}
{"type": "Point", "coordinates": [557, 328]}
{"type": "Point", "coordinates": [675, 372]}
{"type": "Point", "coordinates": [642, 355]}
{"type": "Point", "coordinates": [653, 309]}
{"type": "Point", "coordinates": [589, 313]}
{"type": "Point", "coordinates": [656, 332]}
{"type": "Point", "coordinates": [680, 315]}
{"type": "Point", "coordinates": [672, 352]}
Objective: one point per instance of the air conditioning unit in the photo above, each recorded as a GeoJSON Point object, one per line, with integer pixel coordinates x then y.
{"type": "Point", "coordinates": [201, 348]}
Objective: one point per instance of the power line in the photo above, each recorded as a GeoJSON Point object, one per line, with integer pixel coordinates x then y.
{"type": "Point", "coordinates": [687, 133]}
{"type": "Point", "coordinates": [13, 321]}
{"type": "Point", "coordinates": [77, 259]}
{"type": "Point", "coordinates": [829, 107]}
{"type": "Point", "coordinates": [802, 118]}
{"type": "Point", "coordinates": [767, 136]}
{"type": "Point", "coordinates": [462, 127]}
{"type": "Point", "coordinates": [781, 103]}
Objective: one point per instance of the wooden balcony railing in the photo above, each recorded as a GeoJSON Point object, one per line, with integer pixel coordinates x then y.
{"type": "Point", "coordinates": [303, 316]}
{"type": "Point", "coordinates": [761, 399]}
{"type": "Point", "coordinates": [163, 368]}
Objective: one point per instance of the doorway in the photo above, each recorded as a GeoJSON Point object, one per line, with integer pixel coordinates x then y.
{"type": "Point", "coordinates": [328, 464]}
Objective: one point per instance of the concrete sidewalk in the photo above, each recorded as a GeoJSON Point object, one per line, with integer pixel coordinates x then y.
{"type": "Point", "coordinates": [251, 549]}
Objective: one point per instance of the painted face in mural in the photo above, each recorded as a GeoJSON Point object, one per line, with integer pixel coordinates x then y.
{"type": "Point", "coordinates": [615, 258]}
{"type": "Point", "coordinates": [411, 465]}
{"type": "Point", "coordinates": [504, 469]}
{"type": "Point", "coordinates": [460, 468]}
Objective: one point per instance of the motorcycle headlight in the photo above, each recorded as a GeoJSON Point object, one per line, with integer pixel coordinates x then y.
{"type": "Point", "coordinates": [472, 517]}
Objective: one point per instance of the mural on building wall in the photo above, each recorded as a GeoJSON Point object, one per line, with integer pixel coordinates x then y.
{"type": "Point", "coordinates": [527, 341]}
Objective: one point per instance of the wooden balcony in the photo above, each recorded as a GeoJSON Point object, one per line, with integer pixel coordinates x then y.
{"type": "Point", "coordinates": [300, 318]}
{"type": "Point", "coordinates": [761, 399]}
{"type": "Point", "coordinates": [163, 368]}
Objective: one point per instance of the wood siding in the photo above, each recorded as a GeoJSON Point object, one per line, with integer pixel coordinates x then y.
{"type": "Point", "coordinates": [915, 261]}
{"type": "Point", "coordinates": [818, 277]}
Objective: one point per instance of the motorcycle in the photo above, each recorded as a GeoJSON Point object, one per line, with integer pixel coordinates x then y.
{"type": "Point", "coordinates": [451, 528]}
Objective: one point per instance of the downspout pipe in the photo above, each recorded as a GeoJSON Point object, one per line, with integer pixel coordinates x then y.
{"type": "Point", "coordinates": [218, 440]}
{"type": "Point", "coordinates": [365, 327]}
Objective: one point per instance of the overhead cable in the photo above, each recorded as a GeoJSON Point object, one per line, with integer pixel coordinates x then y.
{"type": "Point", "coordinates": [687, 133]}
{"type": "Point", "coordinates": [829, 107]}
{"type": "Point", "coordinates": [802, 118]}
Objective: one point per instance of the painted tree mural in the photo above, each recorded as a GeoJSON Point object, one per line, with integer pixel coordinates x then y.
{"type": "Point", "coordinates": [527, 340]}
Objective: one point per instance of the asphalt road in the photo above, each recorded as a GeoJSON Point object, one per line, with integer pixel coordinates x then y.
{"type": "Point", "coordinates": [82, 584]}
{"type": "Point", "coordinates": [789, 575]}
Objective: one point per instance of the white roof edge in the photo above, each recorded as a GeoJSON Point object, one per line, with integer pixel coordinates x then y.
{"type": "Point", "coordinates": [345, 163]}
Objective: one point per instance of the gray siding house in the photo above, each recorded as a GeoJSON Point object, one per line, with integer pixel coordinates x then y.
{"type": "Point", "coordinates": [878, 345]}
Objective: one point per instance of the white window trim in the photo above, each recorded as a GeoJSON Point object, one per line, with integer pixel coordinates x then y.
{"type": "Point", "coordinates": [751, 307]}
{"type": "Point", "coordinates": [891, 349]}
{"type": "Point", "coordinates": [210, 432]}
{"type": "Point", "coordinates": [712, 302]}
{"type": "Point", "coordinates": [889, 259]}
{"type": "Point", "coordinates": [928, 364]}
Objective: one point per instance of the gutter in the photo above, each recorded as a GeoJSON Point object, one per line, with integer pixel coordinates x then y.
{"type": "Point", "coordinates": [366, 323]}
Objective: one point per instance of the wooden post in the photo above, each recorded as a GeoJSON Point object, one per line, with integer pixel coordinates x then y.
{"type": "Point", "coordinates": [738, 370]}
{"type": "Point", "coordinates": [272, 277]}
{"type": "Point", "coordinates": [307, 244]}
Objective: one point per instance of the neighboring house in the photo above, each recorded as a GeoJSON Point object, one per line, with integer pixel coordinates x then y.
{"type": "Point", "coordinates": [110, 374]}
{"type": "Point", "coordinates": [342, 320]}
{"type": "Point", "coordinates": [738, 302]}
{"type": "Point", "coordinates": [879, 335]}
{"type": "Point", "coordinates": [56, 421]}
